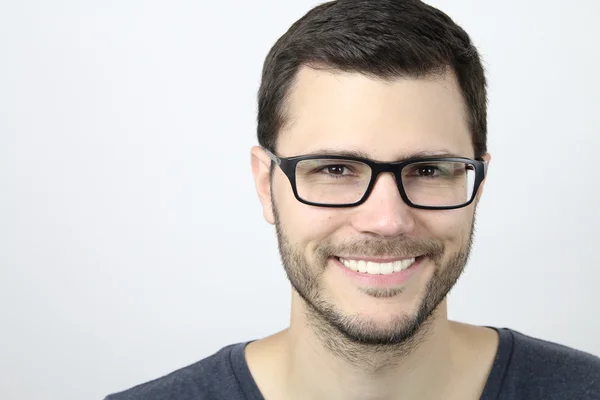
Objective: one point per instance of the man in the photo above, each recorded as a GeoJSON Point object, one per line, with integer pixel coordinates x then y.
{"type": "Point", "coordinates": [372, 159]}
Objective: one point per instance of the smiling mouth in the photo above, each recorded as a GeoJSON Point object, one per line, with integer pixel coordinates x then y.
{"type": "Point", "coordinates": [378, 268]}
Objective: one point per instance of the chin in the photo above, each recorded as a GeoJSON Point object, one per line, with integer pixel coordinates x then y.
{"type": "Point", "coordinates": [380, 331]}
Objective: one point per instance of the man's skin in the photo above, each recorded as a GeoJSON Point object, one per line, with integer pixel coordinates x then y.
{"type": "Point", "coordinates": [386, 120]}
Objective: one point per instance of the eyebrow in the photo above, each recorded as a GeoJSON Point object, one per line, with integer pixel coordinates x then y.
{"type": "Point", "coordinates": [407, 156]}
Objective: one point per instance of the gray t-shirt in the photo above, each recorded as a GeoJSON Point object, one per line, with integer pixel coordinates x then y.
{"type": "Point", "coordinates": [525, 368]}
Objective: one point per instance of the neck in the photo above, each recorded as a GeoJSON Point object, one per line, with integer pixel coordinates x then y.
{"type": "Point", "coordinates": [333, 364]}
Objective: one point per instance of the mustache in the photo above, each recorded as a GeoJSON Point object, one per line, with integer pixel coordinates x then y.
{"type": "Point", "coordinates": [394, 247]}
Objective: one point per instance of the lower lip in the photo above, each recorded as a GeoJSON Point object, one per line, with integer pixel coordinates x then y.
{"type": "Point", "coordinates": [387, 280]}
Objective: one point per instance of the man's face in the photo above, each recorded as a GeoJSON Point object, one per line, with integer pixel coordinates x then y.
{"type": "Point", "coordinates": [388, 121]}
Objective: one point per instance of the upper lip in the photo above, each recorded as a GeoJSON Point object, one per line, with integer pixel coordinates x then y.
{"type": "Point", "coordinates": [379, 260]}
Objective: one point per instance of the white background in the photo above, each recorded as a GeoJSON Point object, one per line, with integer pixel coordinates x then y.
{"type": "Point", "coordinates": [131, 238]}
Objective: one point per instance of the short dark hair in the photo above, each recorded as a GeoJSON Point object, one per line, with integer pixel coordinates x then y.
{"type": "Point", "coordinates": [385, 39]}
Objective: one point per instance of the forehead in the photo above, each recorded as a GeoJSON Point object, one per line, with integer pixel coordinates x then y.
{"type": "Point", "coordinates": [385, 119]}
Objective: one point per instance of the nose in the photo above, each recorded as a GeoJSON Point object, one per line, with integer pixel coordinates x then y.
{"type": "Point", "coordinates": [384, 213]}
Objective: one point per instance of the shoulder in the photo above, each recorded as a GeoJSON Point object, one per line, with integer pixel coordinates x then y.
{"type": "Point", "coordinates": [542, 369]}
{"type": "Point", "coordinates": [211, 378]}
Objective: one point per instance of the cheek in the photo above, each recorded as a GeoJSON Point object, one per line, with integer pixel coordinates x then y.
{"type": "Point", "coordinates": [305, 225]}
{"type": "Point", "coordinates": [450, 226]}
{"type": "Point", "coordinates": [311, 225]}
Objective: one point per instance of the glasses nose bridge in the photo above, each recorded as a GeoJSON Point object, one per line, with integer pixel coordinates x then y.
{"type": "Point", "coordinates": [393, 168]}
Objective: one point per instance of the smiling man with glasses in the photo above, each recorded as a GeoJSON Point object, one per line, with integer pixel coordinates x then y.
{"type": "Point", "coordinates": [372, 160]}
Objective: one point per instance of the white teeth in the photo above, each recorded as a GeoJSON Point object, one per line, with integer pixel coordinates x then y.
{"type": "Point", "coordinates": [373, 268]}
{"type": "Point", "coordinates": [387, 268]}
{"type": "Point", "coordinates": [362, 266]}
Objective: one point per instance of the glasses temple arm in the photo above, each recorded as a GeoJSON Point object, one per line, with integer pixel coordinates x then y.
{"type": "Point", "coordinates": [273, 157]}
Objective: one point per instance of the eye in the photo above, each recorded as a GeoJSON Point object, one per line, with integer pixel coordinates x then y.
{"type": "Point", "coordinates": [427, 171]}
{"type": "Point", "coordinates": [336, 169]}
{"type": "Point", "coordinates": [327, 168]}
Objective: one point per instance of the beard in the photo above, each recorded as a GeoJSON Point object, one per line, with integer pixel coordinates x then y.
{"type": "Point", "coordinates": [356, 338]}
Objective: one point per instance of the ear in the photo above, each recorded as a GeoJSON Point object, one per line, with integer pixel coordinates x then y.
{"type": "Point", "coordinates": [261, 164]}
{"type": "Point", "coordinates": [488, 158]}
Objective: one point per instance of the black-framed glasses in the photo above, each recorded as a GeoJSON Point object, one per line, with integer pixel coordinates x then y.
{"type": "Point", "coordinates": [431, 183]}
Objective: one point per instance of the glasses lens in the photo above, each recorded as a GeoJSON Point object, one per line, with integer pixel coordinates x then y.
{"type": "Point", "coordinates": [439, 183]}
{"type": "Point", "coordinates": [332, 181]}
